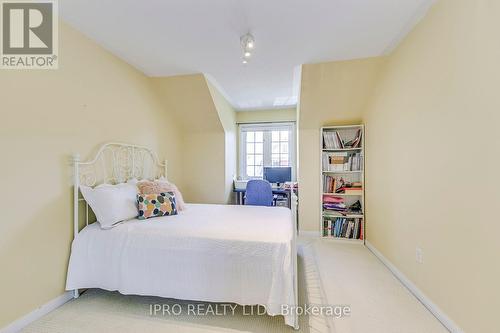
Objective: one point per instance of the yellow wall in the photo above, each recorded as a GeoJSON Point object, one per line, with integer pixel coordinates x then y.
{"type": "Point", "coordinates": [258, 116]}
{"type": "Point", "coordinates": [46, 116]}
{"type": "Point", "coordinates": [203, 157]}
{"type": "Point", "coordinates": [333, 93]}
{"type": "Point", "coordinates": [227, 117]}
{"type": "Point", "coordinates": [432, 160]}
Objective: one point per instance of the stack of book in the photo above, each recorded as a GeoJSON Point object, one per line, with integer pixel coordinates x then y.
{"type": "Point", "coordinates": [341, 227]}
{"type": "Point", "coordinates": [333, 204]}
{"type": "Point", "coordinates": [342, 161]}
{"type": "Point", "coordinates": [350, 188]}
{"type": "Point", "coordinates": [330, 184]}
{"type": "Point", "coordinates": [332, 140]}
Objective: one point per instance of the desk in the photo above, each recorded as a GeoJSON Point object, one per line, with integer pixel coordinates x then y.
{"type": "Point", "coordinates": [240, 195]}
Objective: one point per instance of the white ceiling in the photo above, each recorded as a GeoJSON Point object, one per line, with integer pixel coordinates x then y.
{"type": "Point", "coordinates": [173, 37]}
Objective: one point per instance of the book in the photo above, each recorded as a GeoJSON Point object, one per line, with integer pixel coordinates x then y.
{"type": "Point", "coordinates": [356, 229]}
{"type": "Point", "coordinates": [331, 183]}
{"type": "Point", "coordinates": [332, 140]}
{"type": "Point", "coordinates": [342, 161]}
{"type": "Point", "coordinates": [339, 139]}
{"type": "Point", "coordinates": [353, 190]}
{"type": "Point", "coordinates": [327, 225]}
{"type": "Point", "coordinates": [328, 198]}
{"type": "Point", "coordinates": [342, 227]}
{"type": "Point", "coordinates": [349, 228]}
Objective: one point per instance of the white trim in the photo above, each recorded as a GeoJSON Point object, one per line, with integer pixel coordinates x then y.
{"type": "Point", "coordinates": [431, 306]}
{"type": "Point", "coordinates": [36, 314]}
{"type": "Point", "coordinates": [267, 126]}
{"type": "Point", "coordinates": [294, 204]}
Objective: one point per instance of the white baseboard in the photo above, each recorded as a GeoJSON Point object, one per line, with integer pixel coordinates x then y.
{"type": "Point", "coordinates": [22, 322]}
{"type": "Point", "coordinates": [432, 307]}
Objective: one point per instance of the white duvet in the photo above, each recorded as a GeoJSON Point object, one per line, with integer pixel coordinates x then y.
{"type": "Point", "coordinates": [215, 253]}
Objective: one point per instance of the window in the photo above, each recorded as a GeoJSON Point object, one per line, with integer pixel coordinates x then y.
{"type": "Point", "coordinates": [254, 153]}
{"type": "Point", "coordinates": [279, 153]}
{"type": "Point", "coordinates": [266, 145]}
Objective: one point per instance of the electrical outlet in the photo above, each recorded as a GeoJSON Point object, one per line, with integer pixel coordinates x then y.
{"type": "Point", "coordinates": [419, 255]}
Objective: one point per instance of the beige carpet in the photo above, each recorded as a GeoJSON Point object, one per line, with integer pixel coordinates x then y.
{"type": "Point", "coordinates": [329, 273]}
{"type": "Point", "coordinates": [351, 274]}
{"type": "Point", "coordinates": [102, 311]}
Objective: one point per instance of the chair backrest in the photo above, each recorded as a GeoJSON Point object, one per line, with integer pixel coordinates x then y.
{"type": "Point", "coordinates": [259, 193]}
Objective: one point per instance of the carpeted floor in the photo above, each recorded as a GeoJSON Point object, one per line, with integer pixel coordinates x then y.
{"type": "Point", "coordinates": [379, 303]}
{"type": "Point", "coordinates": [329, 273]}
{"type": "Point", "coordinates": [103, 311]}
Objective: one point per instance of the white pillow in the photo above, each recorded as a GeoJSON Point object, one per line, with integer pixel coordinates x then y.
{"type": "Point", "coordinates": [112, 203]}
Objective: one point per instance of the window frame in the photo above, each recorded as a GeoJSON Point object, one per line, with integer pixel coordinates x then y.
{"type": "Point", "coordinates": [267, 145]}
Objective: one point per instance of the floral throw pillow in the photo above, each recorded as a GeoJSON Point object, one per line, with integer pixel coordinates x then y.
{"type": "Point", "coordinates": [154, 205]}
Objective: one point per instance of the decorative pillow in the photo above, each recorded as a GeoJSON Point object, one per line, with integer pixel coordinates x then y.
{"type": "Point", "coordinates": [160, 186]}
{"type": "Point", "coordinates": [181, 205]}
{"type": "Point", "coordinates": [154, 205]}
{"type": "Point", "coordinates": [149, 187]}
{"type": "Point", "coordinates": [111, 203]}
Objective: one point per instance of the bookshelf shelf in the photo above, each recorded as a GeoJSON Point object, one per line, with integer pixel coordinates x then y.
{"type": "Point", "coordinates": [347, 215]}
{"type": "Point", "coordinates": [346, 240]}
{"type": "Point", "coordinates": [340, 172]}
{"type": "Point", "coordinates": [342, 149]}
{"type": "Point", "coordinates": [342, 194]}
{"type": "Point", "coordinates": [341, 165]}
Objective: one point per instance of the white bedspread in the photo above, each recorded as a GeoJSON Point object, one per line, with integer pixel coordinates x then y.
{"type": "Point", "coordinates": [215, 253]}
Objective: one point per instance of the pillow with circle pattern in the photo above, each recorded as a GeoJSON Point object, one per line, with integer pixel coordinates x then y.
{"type": "Point", "coordinates": [154, 205]}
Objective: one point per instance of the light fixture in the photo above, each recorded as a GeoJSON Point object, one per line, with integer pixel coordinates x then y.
{"type": "Point", "coordinates": [247, 42]}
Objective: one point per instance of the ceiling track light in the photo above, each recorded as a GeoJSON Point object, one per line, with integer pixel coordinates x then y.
{"type": "Point", "coordinates": [247, 42]}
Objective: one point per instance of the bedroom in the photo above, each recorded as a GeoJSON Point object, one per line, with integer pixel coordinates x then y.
{"type": "Point", "coordinates": [168, 79]}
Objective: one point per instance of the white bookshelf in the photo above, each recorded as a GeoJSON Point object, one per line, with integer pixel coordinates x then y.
{"type": "Point", "coordinates": [346, 133]}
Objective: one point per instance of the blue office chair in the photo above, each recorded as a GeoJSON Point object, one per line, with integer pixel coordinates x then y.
{"type": "Point", "coordinates": [259, 193]}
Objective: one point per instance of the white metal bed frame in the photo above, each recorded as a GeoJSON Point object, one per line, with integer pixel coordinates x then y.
{"type": "Point", "coordinates": [118, 162]}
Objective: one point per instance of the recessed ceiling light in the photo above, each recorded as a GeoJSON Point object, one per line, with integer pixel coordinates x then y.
{"type": "Point", "coordinates": [245, 61]}
{"type": "Point", "coordinates": [247, 54]}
